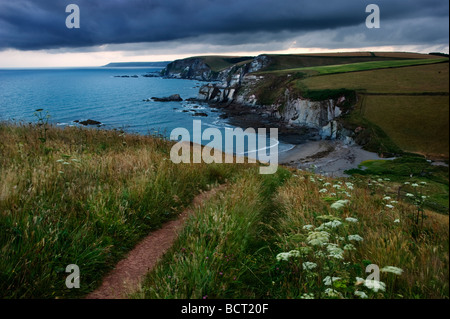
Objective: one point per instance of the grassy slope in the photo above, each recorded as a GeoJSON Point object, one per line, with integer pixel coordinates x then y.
{"type": "Point", "coordinates": [83, 197]}
{"type": "Point", "coordinates": [364, 66]}
{"type": "Point", "coordinates": [229, 248]}
{"type": "Point", "coordinates": [416, 79]}
{"type": "Point", "coordinates": [417, 124]}
{"type": "Point", "coordinates": [87, 196]}
{"type": "Point", "coordinates": [219, 63]}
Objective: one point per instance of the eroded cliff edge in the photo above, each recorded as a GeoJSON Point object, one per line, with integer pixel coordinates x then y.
{"type": "Point", "coordinates": [243, 85]}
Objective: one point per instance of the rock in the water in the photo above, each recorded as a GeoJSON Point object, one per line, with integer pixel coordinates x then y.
{"type": "Point", "coordinates": [172, 98]}
{"type": "Point", "coordinates": [200, 114]}
{"type": "Point", "coordinates": [90, 122]}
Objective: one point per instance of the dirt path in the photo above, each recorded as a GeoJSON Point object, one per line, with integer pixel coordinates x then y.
{"type": "Point", "coordinates": [128, 273]}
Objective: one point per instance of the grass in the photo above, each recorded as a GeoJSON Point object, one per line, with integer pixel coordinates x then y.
{"type": "Point", "coordinates": [284, 62]}
{"type": "Point", "coordinates": [222, 253]}
{"type": "Point", "coordinates": [84, 197]}
{"type": "Point", "coordinates": [407, 170]}
{"type": "Point", "coordinates": [362, 66]}
{"type": "Point", "coordinates": [219, 63]}
{"type": "Point", "coordinates": [415, 79]}
{"type": "Point", "coordinates": [417, 124]}
{"type": "Point", "coordinates": [402, 109]}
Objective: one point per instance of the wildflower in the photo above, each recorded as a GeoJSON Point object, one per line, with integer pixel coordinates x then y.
{"type": "Point", "coordinates": [318, 238]}
{"type": "Point", "coordinates": [286, 256]}
{"type": "Point", "coordinates": [294, 253]}
{"type": "Point", "coordinates": [397, 221]}
{"type": "Point", "coordinates": [331, 224]}
{"type": "Point", "coordinates": [387, 179]}
{"type": "Point", "coordinates": [423, 183]}
{"type": "Point", "coordinates": [424, 197]}
{"type": "Point", "coordinates": [375, 285]}
{"type": "Point", "coordinates": [323, 190]}
{"type": "Point", "coordinates": [387, 198]}
{"type": "Point", "coordinates": [307, 296]}
{"type": "Point", "coordinates": [348, 184]}
{"type": "Point", "coordinates": [335, 252]}
{"type": "Point", "coordinates": [389, 206]}
{"type": "Point", "coordinates": [308, 227]}
{"type": "Point", "coordinates": [331, 292]}
{"type": "Point", "coordinates": [337, 186]}
{"type": "Point", "coordinates": [307, 265]}
{"type": "Point", "coordinates": [351, 220]}
{"type": "Point", "coordinates": [328, 281]}
{"type": "Point", "coordinates": [340, 204]}
{"type": "Point", "coordinates": [415, 185]}
{"type": "Point", "coordinates": [392, 269]}
{"type": "Point", "coordinates": [283, 256]}
{"type": "Point", "coordinates": [394, 202]}
{"type": "Point", "coordinates": [326, 184]}
{"type": "Point", "coordinates": [355, 237]}
{"type": "Point", "coordinates": [359, 281]}
{"type": "Point", "coordinates": [361, 294]}
{"type": "Point", "coordinates": [409, 195]}
{"type": "Point", "coordinates": [349, 247]}
{"type": "Point", "coordinates": [407, 183]}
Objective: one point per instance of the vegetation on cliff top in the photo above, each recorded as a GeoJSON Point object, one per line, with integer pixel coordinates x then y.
{"type": "Point", "coordinates": [85, 197]}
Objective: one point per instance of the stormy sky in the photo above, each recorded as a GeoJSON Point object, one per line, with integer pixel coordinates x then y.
{"type": "Point", "coordinates": [154, 29]}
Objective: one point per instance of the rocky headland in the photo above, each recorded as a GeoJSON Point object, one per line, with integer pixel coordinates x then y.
{"type": "Point", "coordinates": [238, 92]}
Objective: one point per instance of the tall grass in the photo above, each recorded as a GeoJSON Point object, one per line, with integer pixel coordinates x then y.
{"type": "Point", "coordinates": [304, 237]}
{"type": "Point", "coordinates": [83, 197]}
{"type": "Point", "coordinates": [207, 260]}
{"type": "Point", "coordinates": [389, 236]}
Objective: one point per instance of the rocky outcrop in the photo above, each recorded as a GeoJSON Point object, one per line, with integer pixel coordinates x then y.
{"type": "Point", "coordinates": [172, 98]}
{"type": "Point", "coordinates": [197, 69]}
{"type": "Point", "coordinates": [300, 111]}
{"type": "Point", "coordinates": [293, 111]}
{"type": "Point", "coordinates": [192, 68]}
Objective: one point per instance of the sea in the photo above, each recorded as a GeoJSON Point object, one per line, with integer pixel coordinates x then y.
{"type": "Point", "coordinates": [119, 98]}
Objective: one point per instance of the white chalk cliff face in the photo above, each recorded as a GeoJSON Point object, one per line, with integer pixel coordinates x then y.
{"type": "Point", "coordinates": [304, 112]}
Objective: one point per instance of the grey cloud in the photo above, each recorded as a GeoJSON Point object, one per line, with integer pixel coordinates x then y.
{"type": "Point", "coordinates": [40, 24]}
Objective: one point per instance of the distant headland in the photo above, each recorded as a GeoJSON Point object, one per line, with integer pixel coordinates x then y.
{"type": "Point", "coordinates": [162, 64]}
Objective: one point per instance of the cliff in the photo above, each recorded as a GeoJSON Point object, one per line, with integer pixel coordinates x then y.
{"type": "Point", "coordinates": [236, 82]}
{"type": "Point", "coordinates": [289, 108]}
{"type": "Point", "coordinates": [227, 70]}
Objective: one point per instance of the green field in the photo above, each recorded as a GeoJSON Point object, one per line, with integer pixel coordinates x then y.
{"type": "Point", "coordinates": [415, 79]}
{"type": "Point", "coordinates": [410, 104]}
{"type": "Point", "coordinates": [362, 66]}
{"type": "Point", "coordinates": [417, 124]}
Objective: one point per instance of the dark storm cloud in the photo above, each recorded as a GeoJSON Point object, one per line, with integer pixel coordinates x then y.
{"type": "Point", "coordinates": [40, 24]}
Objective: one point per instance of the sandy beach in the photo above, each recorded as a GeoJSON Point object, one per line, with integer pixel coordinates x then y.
{"type": "Point", "coordinates": [330, 158]}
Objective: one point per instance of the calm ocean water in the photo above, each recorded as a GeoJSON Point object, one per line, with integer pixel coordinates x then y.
{"type": "Point", "coordinates": [98, 94]}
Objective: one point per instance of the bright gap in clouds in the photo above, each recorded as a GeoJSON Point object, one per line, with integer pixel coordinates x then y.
{"type": "Point", "coordinates": [48, 59]}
